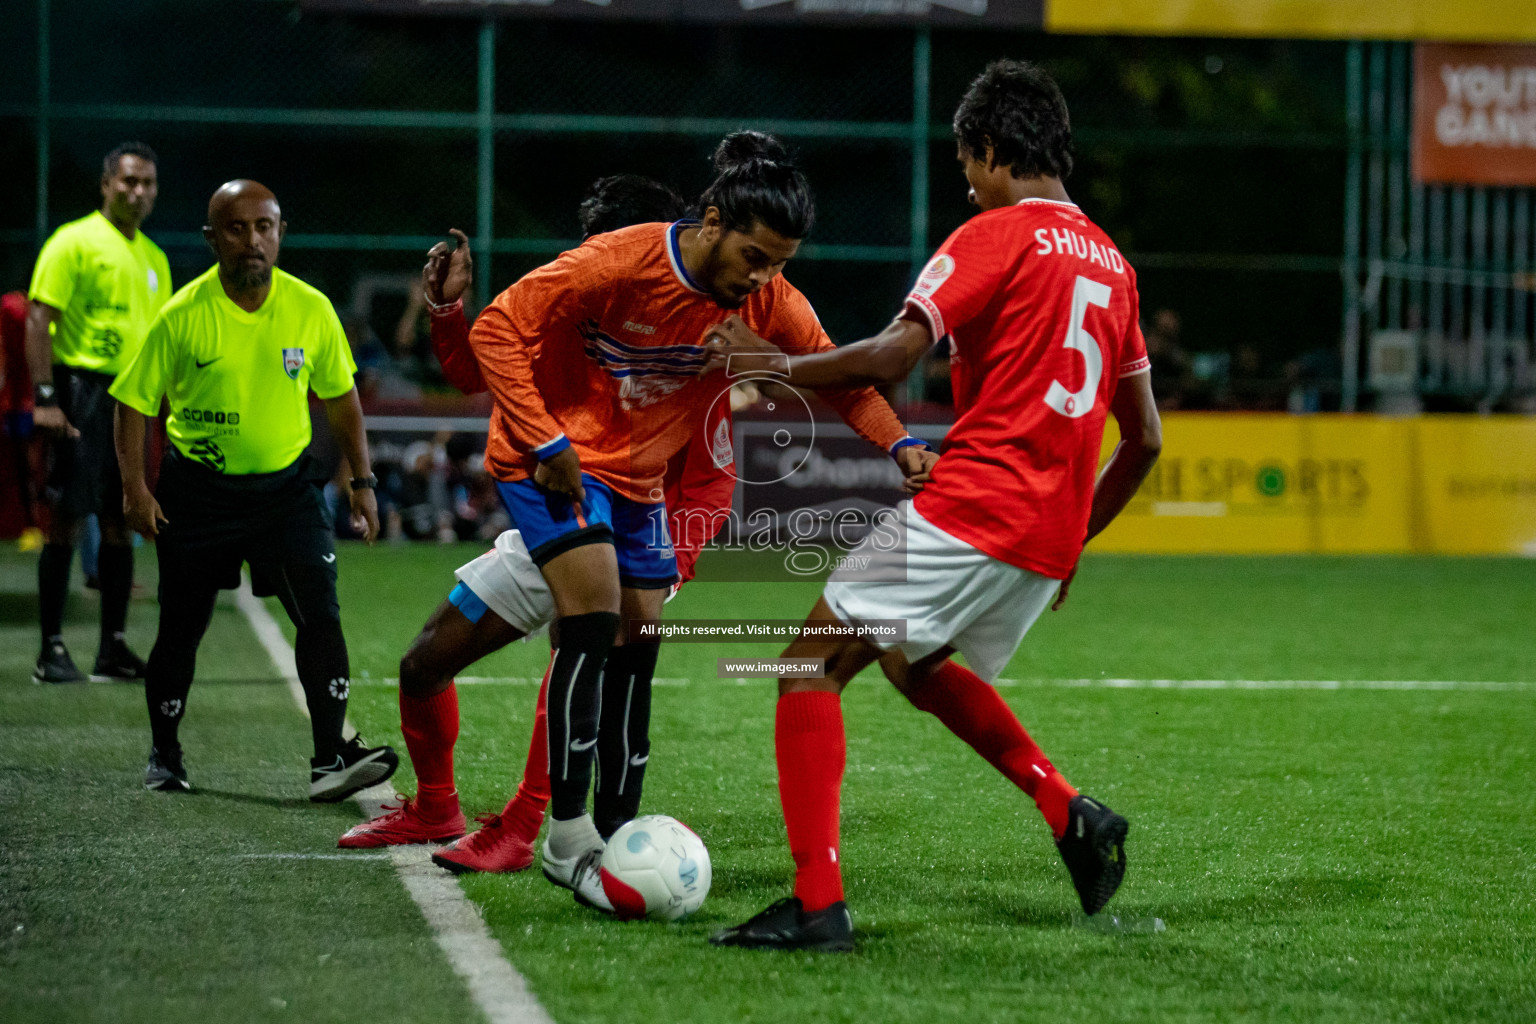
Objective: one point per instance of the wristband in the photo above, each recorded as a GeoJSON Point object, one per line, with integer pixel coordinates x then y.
{"type": "Point", "coordinates": [549, 449]}
{"type": "Point", "coordinates": [364, 483]}
{"type": "Point", "coordinates": [442, 308]}
{"type": "Point", "coordinates": [909, 442]}
{"type": "Point", "coordinates": [44, 396]}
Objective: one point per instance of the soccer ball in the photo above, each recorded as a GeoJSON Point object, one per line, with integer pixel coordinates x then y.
{"type": "Point", "coordinates": [655, 867]}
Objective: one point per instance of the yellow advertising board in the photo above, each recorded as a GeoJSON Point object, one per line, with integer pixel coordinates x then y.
{"type": "Point", "coordinates": [1260, 483]}
{"type": "Point", "coordinates": [1463, 20]}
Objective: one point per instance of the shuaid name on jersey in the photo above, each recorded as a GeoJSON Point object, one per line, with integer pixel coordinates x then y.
{"type": "Point", "coordinates": [1070, 243]}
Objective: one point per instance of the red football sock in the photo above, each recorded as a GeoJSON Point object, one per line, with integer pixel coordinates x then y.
{"type": "Point", "coordinates": [431, 728]}
{"type": "Point", "coordinates": [525, 811]}
{"type": "Point", "coordinates": [975, 712]}
{"type": "Point", "coordinates": [812, 753]}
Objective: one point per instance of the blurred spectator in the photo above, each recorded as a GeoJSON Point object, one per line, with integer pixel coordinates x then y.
{"type": "Point", "coordinates": [421, 492]}
{"type": "Point", "coordinates": [476, 510]}
{"type": "Point", "coordinates": [1173, 379]}
{"type": "Point", "coordinates": [1313, 379]}
{"type": "Point", "coordinates": [1251, 386]}
{"type": "Point", "coordinates": [378, 374]}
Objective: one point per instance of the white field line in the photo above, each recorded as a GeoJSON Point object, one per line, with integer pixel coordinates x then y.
{"type": "Point", "coordinates": [392, 682]}
{"type": "Point", "coordinates": [1276, 684]}
{"type": "Point", "coordinates": [473, 953]}
{"type": "Point", "coordinates": [310, 856]}
{"type": "Point", "coordinates": [1110, 684]}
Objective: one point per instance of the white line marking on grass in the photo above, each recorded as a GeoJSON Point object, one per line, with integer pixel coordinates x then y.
{"type": "Point", "coordinates": [392, 682]}
{"type": "Point", "coordinates": [473, 953]}
{"type": "Point", "coordinates": [311, 856]}
{"type": "Point", "coordinates": [1277, 684]}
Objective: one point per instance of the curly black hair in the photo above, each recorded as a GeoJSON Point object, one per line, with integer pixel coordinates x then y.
{"type": "Point", "coordinates": [758, 183]}
{"type": "Point", "coordinates": [1017, 109]}
{"type": "Point", "coordinates": [620, 200]}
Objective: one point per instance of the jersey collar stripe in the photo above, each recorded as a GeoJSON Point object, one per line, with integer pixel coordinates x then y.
{"type": "Point", "coordinates": [1053, 202]}
{"type": "Point", "coordinates": [675, 255]}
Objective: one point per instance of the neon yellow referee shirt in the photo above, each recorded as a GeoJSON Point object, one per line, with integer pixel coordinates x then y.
{"type": "Point", "coordinates": [239, 382]}
{"type": "Point", "coordinates": [107, 288]}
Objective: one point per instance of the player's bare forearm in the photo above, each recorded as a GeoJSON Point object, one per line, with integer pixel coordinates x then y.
{"type": "Point", "coordinates": [1141, 441]}
{"type": "Point", "coordinates": [140, 509]}
{"type": "Point", "coordinates": [128, 429]}
{"type": "Point", "coordinates": [884, 359]}
{"type": "Point", "coordinates": [345, 414]}
{"type": "Point", "coordinates": [39, 340]}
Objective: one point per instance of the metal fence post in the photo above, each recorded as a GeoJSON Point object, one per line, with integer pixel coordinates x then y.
{"type": "Point", "coordinates": [1354, 87]}
{"type": "Point", "coordinates": [44, 143]}
{"type": "Point", "coordinates": [922, 64]}
{"type": "Point", "coordinates": [485, 185]}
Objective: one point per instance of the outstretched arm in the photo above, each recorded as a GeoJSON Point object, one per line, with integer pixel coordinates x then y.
{"type": "Point", "coordinates": [884, 359]}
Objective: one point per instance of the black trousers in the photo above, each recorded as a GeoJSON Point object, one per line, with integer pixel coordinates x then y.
{"type": "Point", "coordinates": [277, 523]}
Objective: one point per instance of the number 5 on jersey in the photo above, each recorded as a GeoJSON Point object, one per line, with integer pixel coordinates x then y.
{"type": "Point", "coordinates": [1074, 404]}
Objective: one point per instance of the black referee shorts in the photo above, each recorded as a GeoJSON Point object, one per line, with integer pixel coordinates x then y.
{"type": "Point", "coordinates": [83, 477]}
{"type": "Point", "coordinates": [278, 523]}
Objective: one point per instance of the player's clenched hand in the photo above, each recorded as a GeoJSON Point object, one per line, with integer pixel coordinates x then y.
{"type": "Point", "coordinates": [448, 271]}
{"type": "Point", "coordinates": [732, 337]}
{"type": "Point", "coordinates": [1061, 595]}
{"type": "Point", "coordinates": [50, 419]}
{"type": "Point", "coordinates": [142, 512]}
{"type": "Point", "coordinates": [916, 465]}
{"type": "Point", "coordinates": [562, 473]}
{"type": "Point", "coordinates": [365, 513]}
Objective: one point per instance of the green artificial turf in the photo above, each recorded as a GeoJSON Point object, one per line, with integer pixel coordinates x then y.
{"type": "Point", "coordinates": [125, 906]}
{"type": "Point", "coordinates": [1314, 855]}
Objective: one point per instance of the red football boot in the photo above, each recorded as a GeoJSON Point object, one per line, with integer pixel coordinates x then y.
{"type": "Point", "coordinates": [498, 846]}
{"type": "Point", "coordinates": [401, 825]}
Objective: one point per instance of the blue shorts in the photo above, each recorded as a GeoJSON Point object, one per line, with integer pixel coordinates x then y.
{"type": "Point", "coordinates": [551, 525]}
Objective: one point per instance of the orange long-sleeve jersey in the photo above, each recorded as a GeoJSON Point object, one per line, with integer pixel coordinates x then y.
{"type": "Point", "coordinates": [602, 348]}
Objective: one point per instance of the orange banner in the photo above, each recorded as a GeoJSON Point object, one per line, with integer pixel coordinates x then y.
{"type": "Point", "coordinates": [1474, 115]}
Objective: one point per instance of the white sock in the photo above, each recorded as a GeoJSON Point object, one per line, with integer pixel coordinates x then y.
{"type": "Point", "coordinates": [574, 837]}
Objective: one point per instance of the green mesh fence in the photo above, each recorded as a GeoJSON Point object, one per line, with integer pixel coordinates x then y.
{"type": "Point", "coordinates": [1217, 165]}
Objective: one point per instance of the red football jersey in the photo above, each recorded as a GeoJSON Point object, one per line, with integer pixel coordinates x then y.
{"type": "Point", "coordinates": [1043, 311]}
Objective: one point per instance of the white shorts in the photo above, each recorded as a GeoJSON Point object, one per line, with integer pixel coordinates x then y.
{"type": "Point", "coordinates": [948, 592]}
{"type": "Point", "coordinates": [506, 579]}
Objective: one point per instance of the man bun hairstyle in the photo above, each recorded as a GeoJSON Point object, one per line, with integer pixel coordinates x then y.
{"type": "Point", "coordinates": [621, 200]}
{"type": "Point", "coordinates": [111, 160]}
{"type": "Point", "coordinates": [758, 183]}
{"type": "Point", "coordinates": [1016, 108]}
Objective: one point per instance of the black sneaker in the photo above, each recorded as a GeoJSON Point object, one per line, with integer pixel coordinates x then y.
{"type": "Point", "coordinates": [786, 925]}
{"type": "Point", "coordinates": [165, 773]}
{"type": "Point", "coordinates": [54, 665]}
{"type": "Point", "coordinates": [117, 664]}
{"type": "Point", "coordinates": [1094, 851]}
{"type": "Point", "coordinates": [356, 768]}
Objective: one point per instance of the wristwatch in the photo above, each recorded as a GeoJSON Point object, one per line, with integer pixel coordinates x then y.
{"type": "Point", "coordinates": [364, 483]}
{"type": "Point", "coordinates": [44, 395]}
